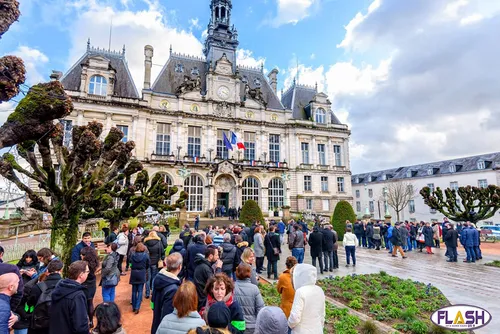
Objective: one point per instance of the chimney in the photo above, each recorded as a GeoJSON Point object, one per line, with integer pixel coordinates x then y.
{"type": "Point", "coordinates": [148, 63]}
{"type": "Point", "coordinates": [56, 75]}
{"type": "Point", "coordinates": [273, 79]}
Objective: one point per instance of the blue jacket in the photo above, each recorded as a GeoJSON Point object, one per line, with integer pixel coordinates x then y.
{"type": "Point", "coordinates": [475, 236]}
{"type": "Point", "coordinates": [164, 288]}
{"type": "Point", "coordinates": [139, 263]}
{"type": "Point", "coordinates": [467, 237]}
{"type": "Point", "coordinates": [4, 313]}
{"type": "Point", "coordinates": [75, 252]}
{"type": "Point", "coordinates": [389, 232]}
{"type": "Point", "coordinates": [281, 227]}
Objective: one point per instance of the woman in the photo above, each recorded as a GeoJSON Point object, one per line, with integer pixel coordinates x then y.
{"type": "Point", "coordinates": [44, 255]}
{"type": "Point", "coordinates": [110, 275]}
{"type": "Point", "coordinates": [218, 320]}
{"type": "Point", "coordinates": [273, 250]}
{"type": "Point", "coordinates": [376, 236]}
{"type": "Point", "coordinates": [131, 237]}
{"type": "Point", "coordinates": [259, 249]}
{"type": "Point", "coordinates": [350, 241]}
{"type": "Point", "coordinates": [248, 257]}
{"type": "Point", "coordinates": [89, 254]}
{"type": "Point", "coordinates": [185, 315]}
{"type": "Point", "coordinates": [156, 254]}
{"type": "Point", "coordinates": [240, 248]}
{"type": "Point", "coordinates": [436, 235]}
{"type": "Point", "coordinates": [108, 319]}
{"type": "Point", "coordinates": [271, 320]}
{"type": "Point", "coordinates": [248, 296]}
{"type": "Point", "coordinates": [429, 237]}
{"type": "Point", "coordinates": [220, 288]}
{"type": "Point", "coordinates": [28, 265]}
{"type": "Point", "coordinates": [139, 262]}
{"type": "Point", "coordinates": [122, 241]}
{"type": "Point", "coordinates": [285, 286]}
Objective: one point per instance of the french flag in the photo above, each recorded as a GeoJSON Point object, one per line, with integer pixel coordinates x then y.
{"type": "Point", "coordinates": [236, 141]}
{"type": "Point", "coordinates": [196, 159]}
{"type": "Point", "coordinates": [253, 163]}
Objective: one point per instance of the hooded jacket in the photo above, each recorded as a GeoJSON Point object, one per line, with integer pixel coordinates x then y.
{"type": "Point", "coordinates": [179, 248]}
{"type": "Point", "coordinates": [139, 262]}
{"type": "Point", "coordinates": [155, 248]}
{"type": "Point", "coordinates": [172, 324]}
{"type": "Point", "coordinates": [164, 289]}
{"type": "Point", "coordinates": [228, 257]}
{"type": "Point", "coordinates": [192, 251]}
{"type": "Point", "coordinates": [75, 252]}
{"type": "Point", "coordinates": [110, 266]}
{"type": "Point", "coordinates": [68, 312]}
{"type": "Point", "coordinates": [237, 324]}
{"type": "Point", "coordinates": [308, 309]}
{"type": "Point", "coordinates": [251, 302]}
{"type": "Point", "coordinates": [287, 292]}
{"type": "Point", "coordinates": [122, 241]}
{"type": "Point", "coordinates": [271, 320]}
{"type": "Point", "coordinates": [201, 275]}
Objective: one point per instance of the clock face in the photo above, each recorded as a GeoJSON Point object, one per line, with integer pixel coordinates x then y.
{"type": "Point", "coordinates": [223, 92]}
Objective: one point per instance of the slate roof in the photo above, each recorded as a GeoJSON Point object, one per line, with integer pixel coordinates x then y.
{"type": "Point", "coordinates": [273, 102]}
{"type": "Point", "coordinates": [462, 165]}
{"type": "Point", "coordinates": [124, 85]}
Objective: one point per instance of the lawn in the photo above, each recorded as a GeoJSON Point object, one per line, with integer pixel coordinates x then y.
{"type": "Point", "coordinates": [405, 305]}
{"type": "Point", "coordinates": [495, 263]}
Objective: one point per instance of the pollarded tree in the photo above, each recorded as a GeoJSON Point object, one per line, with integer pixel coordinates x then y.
{"type": "Point", "coordinates": [251, 213]}
{"type": "Point", "coordinates": [399, 193]}
{"type": "Point", "coordinates": [343, 211]}
{"type": "Point", "coordinates": [87, 178]}
{"type": "Point", "coordinates": [465, 204]}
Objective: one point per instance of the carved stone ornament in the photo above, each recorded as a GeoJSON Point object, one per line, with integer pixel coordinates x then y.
{"type": "Point", "coordinates": [223, 109]}
{"type": "Point", "coordinates": [189, 85]}
{"type": "Point", "coordinates": [224, 66]}
{"type": "Point", "coordinates": [184, 172]}
{"type": "Point", "coordinates": [195, 107]}
{"type": "Point", "coordinates": [249, 114]}
{"type": "Point", "coordinates": [255, 94]}
{"type": "Point", "coordinates": [164, 104]}
{"type": "Point", "coordinates": [274, 117]}
{"type": "Point", "coordinates": [224, 184]}
{"type": "Point", "coordinates": [226, 168]}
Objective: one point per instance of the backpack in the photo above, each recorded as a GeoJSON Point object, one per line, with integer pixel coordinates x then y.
{"type": "Point", "coordinates": [41, 315]}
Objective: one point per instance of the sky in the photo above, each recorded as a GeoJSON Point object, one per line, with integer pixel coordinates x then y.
{"type": "Point", "coordinates": [416, 81]}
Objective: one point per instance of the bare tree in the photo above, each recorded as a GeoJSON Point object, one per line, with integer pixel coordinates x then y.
{"type": "Point", "coordinates": [399, 194]}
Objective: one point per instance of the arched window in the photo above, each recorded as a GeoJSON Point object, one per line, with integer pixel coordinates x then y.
{"type": "Point", "coordinates": [250, 190]}
{"type": "Point", "coordinates": [168, 180]}
{"type": "Point", "coordinates": [320, 115]}
{"type": "Point", "coordinates": [98, 85]}
{"type": "Point", "coordinates": [276, 193]}
{"type": "Point", "coordinates": [193, 185]}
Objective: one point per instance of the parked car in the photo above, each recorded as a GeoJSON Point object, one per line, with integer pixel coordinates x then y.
{"type": "Point", "coordinates": [495, 230]}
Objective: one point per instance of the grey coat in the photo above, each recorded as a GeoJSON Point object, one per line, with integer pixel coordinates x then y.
{"type": "Point", "coordinates": [251, 302]}
{"type": "Point", "coordinates": [171, 324]}
{"type": "Point", "coordinates": [271, 320]}
{"type": "Point", "coordinates": [258, 247]}
{"type": "Point", "coordinates": [110, 266]}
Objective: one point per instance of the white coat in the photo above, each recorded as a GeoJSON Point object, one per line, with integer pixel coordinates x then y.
{"type": "Point", "coordinates": [122, 241]}
{"type": "Point", "coordinates": [308, 309]}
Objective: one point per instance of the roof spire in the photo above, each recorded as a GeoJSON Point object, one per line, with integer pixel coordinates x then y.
{"type": "Point", "coordinates": [123, 50]}
{"type": "Point", "coordinates": [262, 67]}
{"type": "Point", "coordinates": [88, 44]}
{"type": "Point", "coordinates": [170, 48]}
{"type": "Point", "coordinates": [316, 87]}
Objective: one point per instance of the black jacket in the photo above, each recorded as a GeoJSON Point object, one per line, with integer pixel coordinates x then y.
{"type": "Point", "coordinates": [195, 248]}
{"type": "Point", "coordinates": [164, 290]}
{"type": "Point", "coordinates": [369, 230]}
{"type": "Point", "coordinates": [396, 238]}
{"type": "Point", "coordinates": [155, 249]}
{"type": "Point", "coordinates": [68, 312]}
{"type": "Point", "coordinates": [179, 248]}
{"type": "Point", "coordinates": [328, 240]}
{"type": "Point", "coordinates": [450, 238]}
{"type": "Point", "coordinates": [140, 264]}
{"type": "Point", "coordinates": [201, 275]}
{"type": "Point", "coordinates": [429, 235]}
{"type": "Point", "coordinates": [185, 236]}
{"type": "Point", "coordinates": [271, 241]}
{"type": "Point", "coordinates": [228, 257]}
{"type": "Point", "coordinates": [316, 243]}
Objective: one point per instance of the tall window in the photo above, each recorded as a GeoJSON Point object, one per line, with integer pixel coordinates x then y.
{"type": "Point", "coordinates": [250, 190]}
{"type": "Point", "coordinates": [98, 85]}
{"type": "Point", "coordinates": [340, 184]}
{"type": "Point", "coordinates": [320, 115]}
{"type": "Point", "coordinates": [411, 205]}
{"type": "Point", "coordinates": [274, 148]}
{"type": "Point", "coordinates": [358, 206]}
{"type": "Point", "coordinates": [169, 183]}
{"type": "Point", "coordinates": [481, 164]}
{"type": "Point", "coordinates": [309, 204]}
{"type": "Point", "coordinates": [321, 154]}
{"type": "Point", "coordinates": [372, 206]}
{"type": "Point", "coordinates": [324, 183]}
{"type": "Point", "coordinates": [370, 193]}
{"type": "Point", "coordinates": [68, 130]}
{"type": "Point", "coordinates": [307, 183]}
{"type": "Point", "coordinates": [482, 183]}
{"type": "Point", "coordinates": [194, 141]}
{"type": "Point", "coordinates": [193, 185]}
{"type": "Point", "coordinates": [163, 139]}
{"type": "Point", "coordinates": [222, 151]}
{"type": "Point", "coordinates": [431, 186]}
{"type": "Point", "coordinates": [276, 193]}
{"type": "Point", "coordinates": [124, 129]}
{"type": "Point", "coordinates": [249, 145]}
{"type": "Point", "coordinates": [305, 152]}
{"type": "Point", "coordinates": [357, 193]}
{"type": "Point", "coordinates": [454, 185]}
{"type": "Point", "coordinates": [326, 204]}
{"type": "Point", "coordinates": [452, 168]}
{"type": "Point", "coordinates": [338, 155]}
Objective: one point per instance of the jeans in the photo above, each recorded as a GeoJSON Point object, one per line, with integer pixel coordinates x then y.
{"type": "Point", "coordinates": [320, 259]}
{"type": "Point", "coordinates": [350, 251]}
{"type": "Point", "coordinates": [414, 243]}
{"type": "Point", "coordinates": [359, 236]}
{"type": "Point", "coordinates": [298, 253]}
{"type": "Point", "coordinates": [282, 238]}
{"type": "Point", "coordinates": [363, 241]}
{"type": "Point", "coordinates": [335, 260]}
{"type": "Point", "coordinates": [389, 243]}
{"type": "Point", "coordinates": [370, 243]}
{"type": "Point", "coordinates": [452, 253]}
{"type": "Point", "coordinates": [409, 244]}
{"type": "Point", "coordinates": [259, 264]}
{"type": "Point", "coordinates": [108, 294]}
{"type": "Point", "coordinates": [21, 331]}
{"type": "Point", "coordinates": [137, 296]}
{"type": "Point", "coordinates": [477, 252]}
{"type": "Point", "coordinates": [272, 266]}
{"type": "Point", "coordinates": [154, 272]}
{"type": "Point", "coordinates": [148, 283]}
{"type": "Point", "coordinates": [120, 263]}
{"type": "Point", "coordinates": [471, 255]}
{"type": "Point", "coordinates": [328, 260]}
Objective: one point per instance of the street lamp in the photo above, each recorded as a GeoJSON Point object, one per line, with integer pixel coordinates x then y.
{"type": "Point", "coordinates": [385, 192]}
{"type": "Point", "coordinates": [210, 150]}
{"type": "Point", "coordinates": [367, 210]}
{"type": "Point", "coordinates": [179, 148]}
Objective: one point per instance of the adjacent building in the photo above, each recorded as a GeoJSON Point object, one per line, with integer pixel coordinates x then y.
{"type": "Point", "coordinates": [368, 188]}
{"type": "Point", "coordinates": [188, 121]}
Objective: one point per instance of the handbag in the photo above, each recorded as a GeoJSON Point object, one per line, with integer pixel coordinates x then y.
{"type": "Point", "coordinates": [276, 251]}
{"type": "Point", "coordinates": [160, 264]}
{"type": "Point", "coordinates": [111, 281]}
{"type": "Point", "coordinates": [421, 238]}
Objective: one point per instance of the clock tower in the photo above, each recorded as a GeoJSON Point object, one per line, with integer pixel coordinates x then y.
{"type": "Point", "coordinates": [223, 87]}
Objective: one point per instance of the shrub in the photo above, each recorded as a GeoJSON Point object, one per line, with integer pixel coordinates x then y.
{"type": "Point", "coordinates": [418, 327]}
{"type": "Point", "coordinates": [356, 304]}
{"type": "Point", "coordinates": [251, 213]}
{"type": "Point", "coordinates": [369, 327]}
{"type": "Point", "coordinates": [343, 211]}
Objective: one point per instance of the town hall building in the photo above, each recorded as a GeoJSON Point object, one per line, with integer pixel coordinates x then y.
{"type": "Point", "coordinates": [186, 124]}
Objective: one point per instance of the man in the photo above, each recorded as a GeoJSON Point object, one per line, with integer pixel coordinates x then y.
{"type": "Point", "coordinates": [327, 247]}
{"type": "Point", "coordinates": [281, 230]}
{"type": "Point", "coordinates": [397, 240]}
{"type": "Point", "coordinates": [228, 256]}
{"type": "Point", "coordinates": [197, 247]}
{"type": "Point", "coordinates": [163, 238]}
{"type": "Point", "coordinates": [477, 242]}
{"type": "Point", "coordinates": [86, 242]}
{"type": "Point", "coordinates": [165, 286]}
{"type": "Point", "coordinates": [467, 240]}
{"type": "Point", "coordinates": [204, 271]}
{"type": "Point", "coordinates": [69, 303]}
{"type": "Point", "coordinates": [296, 243]}
{"type": "Point", "coordinates": [112, 236]}
{"type": "Point", "coordinates": [388, 244]}
{"type": "Point", "coordinates": [185, 235]}
{"type": "Point", "coordinates": [197, 223]}
{"type": "Point", "coordinates": [1, 254]}
{"type": "Point", "coordinates": [316, 244]}
{"type": "Point", "coordinates": [15, 299]}
{"type": "Point", "coordinates": [450, 237]}
{"type": "Point", "coordinates": [369, 235]}
{"type": "Point", "coordinates": [8, 287]}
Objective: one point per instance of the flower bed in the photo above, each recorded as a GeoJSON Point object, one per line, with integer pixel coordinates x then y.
{"type": "Point", "coordinates": [405, 305]}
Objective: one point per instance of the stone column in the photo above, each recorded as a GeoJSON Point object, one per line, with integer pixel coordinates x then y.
{"type": "Point", "coordinates": [313, 152]}
{"type": "Point", "coordinates": [265, 201]}
{"type": "Point", "coordinates": [108, 124]}
{"type": "Point", "coordinates": [148, 63]}
{"type": "Point", "coordinates": [79, 117]}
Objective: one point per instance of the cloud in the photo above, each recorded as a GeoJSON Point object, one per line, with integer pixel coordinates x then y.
{"type": "Point", "coordinates": [194, 23]}
{"type": "Point", "coordinates": [6, 108]}
{"type": "Point", "coordinates": [292, 11]}
{"type": "Point", "coordinates": [34, 61]}
{"type": "Point", "coordinates": [246, 58]}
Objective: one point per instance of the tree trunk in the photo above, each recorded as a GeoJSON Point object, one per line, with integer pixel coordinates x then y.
{"type": "Point", "coordinates": [397, 216]}
{"type": "Point", "coordinates": [64, 236]}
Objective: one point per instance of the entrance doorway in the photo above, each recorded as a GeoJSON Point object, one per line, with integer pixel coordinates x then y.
{"type": "Point", "coordinates": [223, 199]}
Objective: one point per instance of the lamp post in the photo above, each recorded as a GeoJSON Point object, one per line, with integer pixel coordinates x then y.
{"type": "Point", "coordinates": [179, 148]}
{"type": "Point", "coordinates": [367, 210]}
{"type": "Point", "coordinates": [210, 150]}
{"type": "Point", "coordinates": [385, 192]}
{"type": "Point", "coordinates": [265, 157]}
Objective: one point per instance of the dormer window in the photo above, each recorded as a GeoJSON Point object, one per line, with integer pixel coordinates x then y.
{"type": "Point", "coordinates": [195, 71]}
{"type": "Point", "coordinates": [320, 116]}
{"type": "Point", "coordinates": [356, 180]}
{"type": "Point", "coordinates": [98, 85]}
{"type": "Point", "coordinates": [384, 177]}
{"type": "Point", "coordinates": [452, 168]}
{"type": "Point", "coordinates": [256, 82]}
{"type": "Point", "coordinates": [244, 79]}
{"type": "Point", "coordinates": [179, 68]}
{"type": "Point", "coordinates": [409, 173]}
{"type": "Point", "coordinates": [481, 164]}
{"type": "Point", "coordinates": [430, 171]}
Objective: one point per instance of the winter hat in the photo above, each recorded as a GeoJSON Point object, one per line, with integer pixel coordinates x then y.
{"type": "Point", "coordinates": [271, 320]}
{"type": "Point", "coordinates": [219, 315]}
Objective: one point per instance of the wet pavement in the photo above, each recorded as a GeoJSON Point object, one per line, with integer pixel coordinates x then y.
{"type": "Point", "coordinates": [462, 283]}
